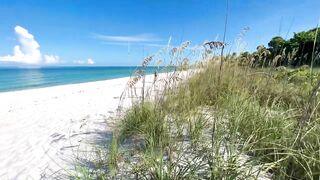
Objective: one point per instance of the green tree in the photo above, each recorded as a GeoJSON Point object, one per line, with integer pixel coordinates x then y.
{"type": "Point", "coordinates": [276, 45]}
{"type": "Point", "coordinates": [303, 43]}
{"type": "Point", "coordinates": [297, 51]}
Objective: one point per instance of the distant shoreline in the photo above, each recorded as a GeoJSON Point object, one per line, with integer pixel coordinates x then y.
{"type": "Point", "coordinates": [64, 85]}
{"type": "Point", "coordinates": [71, 66]}
{"type": "Point", "coordinates": [19, 79]}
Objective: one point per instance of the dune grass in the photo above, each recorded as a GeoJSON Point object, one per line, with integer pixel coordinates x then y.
{"type": "Point", "coordinates": [245, 125]}
{"type": "Point", "coordinates": [238, 123]}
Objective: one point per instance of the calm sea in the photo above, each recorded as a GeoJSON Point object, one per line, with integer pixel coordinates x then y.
{"type": "Point", "coordinates": [12, 79]}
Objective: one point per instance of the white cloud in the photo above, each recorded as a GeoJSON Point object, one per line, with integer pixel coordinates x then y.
{"type": "Point", "coordinates": [51, 59]}
{"type": "Point", "coordinates": [28, 50]}
{"type": "Point", "coordinates": [89, 61]}
{"type": "Point", "coordinates": [137, 44]}
{"type": "Point", "coordinates": [147, 40]}
{"type": "Point", "coordinates": [134, 38]}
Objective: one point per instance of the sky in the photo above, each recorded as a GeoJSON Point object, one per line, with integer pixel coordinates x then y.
{"type": "Point", "coordinates": [121, 33]}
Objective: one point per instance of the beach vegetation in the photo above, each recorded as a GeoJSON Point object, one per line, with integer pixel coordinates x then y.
{"type": "Point", "coordinates": [255, 116]}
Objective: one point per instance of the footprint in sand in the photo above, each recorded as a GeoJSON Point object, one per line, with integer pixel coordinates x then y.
{"type": "Point", "coordinates": [57, 137]}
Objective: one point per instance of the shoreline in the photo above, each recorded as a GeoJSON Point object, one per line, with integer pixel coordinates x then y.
{"type": "Point", "coordinates": [46, 81]}
{"type": "Point", "coordinates": [60, 85]}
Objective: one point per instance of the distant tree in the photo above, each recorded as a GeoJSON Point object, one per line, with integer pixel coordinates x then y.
{"type": "Point", "coordinates": [276, 45]}
{"type": "Point", "coordinates": [297, 51]}
{"type": "Point", "coordinates": [303, 43]}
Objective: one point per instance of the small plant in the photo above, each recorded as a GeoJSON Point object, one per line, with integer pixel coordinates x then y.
{"type": "Point", "coordinates": [113, 156]}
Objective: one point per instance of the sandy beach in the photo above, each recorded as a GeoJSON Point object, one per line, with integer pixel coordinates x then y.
{"type": "Point", "coordinates": [43, 130]}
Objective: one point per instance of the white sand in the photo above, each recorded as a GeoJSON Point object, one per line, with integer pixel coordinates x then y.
{"type": "Point", "coordinates": [41, 130]}
{"type": "Point", "coordinates": [45, 132]}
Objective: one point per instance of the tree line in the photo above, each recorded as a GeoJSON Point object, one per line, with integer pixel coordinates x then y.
{"type": "Point", "coordinates": [302, 49]}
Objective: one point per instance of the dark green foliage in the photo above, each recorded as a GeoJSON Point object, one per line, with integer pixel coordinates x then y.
{"type": "Point", "coordinates": [303, 42]}
{"type": "Point", "coordinates": [276, 44]}
{"type": "Point", "coordinates": [297, 51]}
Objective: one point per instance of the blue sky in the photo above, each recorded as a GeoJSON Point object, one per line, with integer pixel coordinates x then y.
{"type": "Point", "coordinates": [89, 32]}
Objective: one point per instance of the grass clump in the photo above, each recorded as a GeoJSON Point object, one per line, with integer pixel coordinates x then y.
{"type": "Point", "coordinates": [144, 121]}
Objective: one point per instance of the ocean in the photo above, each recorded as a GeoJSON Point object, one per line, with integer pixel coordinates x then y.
{"type": "Point", "coordinates": [12, 79]}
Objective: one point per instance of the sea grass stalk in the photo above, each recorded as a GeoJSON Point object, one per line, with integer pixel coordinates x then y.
{"type": "Point", "coordinates": [224, 38]}
{"type": "Point", "coordinates": [211, 156]}
{"type": "Point", "coordinates": [313, 52]}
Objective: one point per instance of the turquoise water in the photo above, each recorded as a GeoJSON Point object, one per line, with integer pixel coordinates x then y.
{"type": "Point", "coordinates": [12, 79]}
